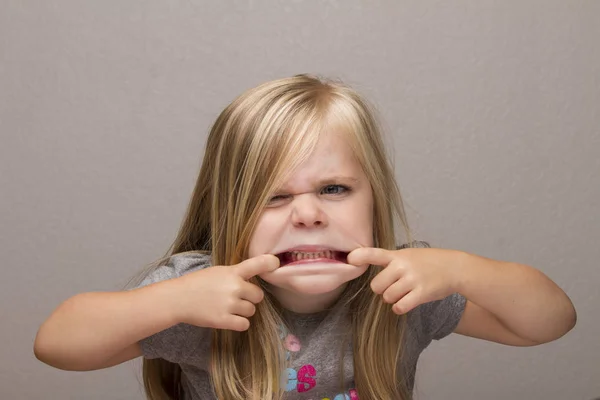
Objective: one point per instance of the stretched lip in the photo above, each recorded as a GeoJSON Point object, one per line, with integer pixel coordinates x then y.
{"type": "Point", "coordinates": [309, 248]}
{"type": "Point", "coordinates": [287, 257]}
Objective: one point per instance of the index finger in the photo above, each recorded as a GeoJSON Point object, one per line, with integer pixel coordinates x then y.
{"type": "Point", "coordinates": [370, 255]}
{"type": "Point", "coordinates": [257, 265]}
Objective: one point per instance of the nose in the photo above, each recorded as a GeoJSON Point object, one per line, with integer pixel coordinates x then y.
{"type": "Point", "coordinates": [307, 212]}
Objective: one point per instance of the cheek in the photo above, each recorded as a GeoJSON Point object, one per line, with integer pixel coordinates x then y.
{"type": "Point", "coordinates": [364, 221]}
{"type": "Point", "coordinates": [359, 228]}
{"type": "Point", "coordinates": [261, 238]}
{"type": "Point", "coordinates": [254, 242]}
{"type": "Point", "coordinates": [370, 223]}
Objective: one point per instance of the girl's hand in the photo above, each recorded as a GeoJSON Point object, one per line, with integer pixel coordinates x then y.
{"type": "Point", "coordinates": [410, 276]}
{"type": "Point", "coordinates": [221, 297]}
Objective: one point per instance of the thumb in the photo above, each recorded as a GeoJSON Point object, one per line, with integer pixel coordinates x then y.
{"type": "Point", "coordinates": [257, 265]}
{"type": "Point", "coordinates": [370, 256]}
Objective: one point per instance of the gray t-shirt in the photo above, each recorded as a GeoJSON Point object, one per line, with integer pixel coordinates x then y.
{"type": "Point", "coordinates": [313, 343]}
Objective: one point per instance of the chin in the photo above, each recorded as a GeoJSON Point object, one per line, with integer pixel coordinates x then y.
{"type": "Point", "coordinates": [313, 285]}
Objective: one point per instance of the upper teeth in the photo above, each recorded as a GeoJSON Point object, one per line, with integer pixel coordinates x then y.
{"type": "Point", "coordinates": [301, 255]}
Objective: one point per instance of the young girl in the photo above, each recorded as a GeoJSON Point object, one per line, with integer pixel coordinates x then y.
{"type": "Point", "coordinates": [285, 279]}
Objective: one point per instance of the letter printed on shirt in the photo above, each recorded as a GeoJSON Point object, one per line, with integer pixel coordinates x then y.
{"type": "Point", "coordinates": [292, 381]}
{"type": "Point", "coordinates": [306, 376]}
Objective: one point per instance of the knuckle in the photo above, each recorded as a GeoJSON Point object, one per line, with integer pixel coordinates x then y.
{"type": "Point", "coordinates": [260, 295]}
{"type": "Point", "coordinates": [398, 309]}
{"type": "Point", "coordinates": [418, 291]}
{"type": "Point", "coordinates": [236, 288]}
{"type": "Point", "coordinates": [398, 266]}
{"type": "Point", "coordinates": [220, 321]}
{"type": "Point", "coordinates": [230, 304]}
{"type": "Point", "coordinates": [387, 297]}
{"type": "Point", "coordinates": [242, 325]}
{"type": "Point", "coordinates": [374, 287]}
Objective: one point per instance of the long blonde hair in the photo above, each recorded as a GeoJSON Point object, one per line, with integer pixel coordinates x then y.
{"type": "Point", "coordinates": [253, 145]}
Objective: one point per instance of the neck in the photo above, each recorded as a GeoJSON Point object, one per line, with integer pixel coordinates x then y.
{"type": "Point", "coordinates": [306, 303]}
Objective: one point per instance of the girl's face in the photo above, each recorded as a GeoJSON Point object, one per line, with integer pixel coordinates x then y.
{"type": "Point", "coordinates": [324, 211]}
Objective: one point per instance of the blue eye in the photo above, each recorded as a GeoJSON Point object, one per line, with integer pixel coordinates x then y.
{"type": "Point", "coordinates": [328, 190]}
{"type": "Point", "coordinates": [335, 189]}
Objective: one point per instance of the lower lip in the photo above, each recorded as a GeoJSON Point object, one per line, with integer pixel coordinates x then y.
{"type": "Point", "coordinates": [312, 261]}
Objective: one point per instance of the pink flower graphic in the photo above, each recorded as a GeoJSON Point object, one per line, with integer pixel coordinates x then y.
{"type": "Point", "coordinates": [292, 343]}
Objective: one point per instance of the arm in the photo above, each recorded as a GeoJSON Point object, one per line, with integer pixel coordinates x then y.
{"type": "Point", "coordinates": [507, 302]}
{"type": "Point", "coordinates": [510, 303]}
{"type": "Point", "coordinates": [101, 329]}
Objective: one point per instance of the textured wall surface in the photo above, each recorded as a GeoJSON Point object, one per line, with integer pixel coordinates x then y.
{"type": "Point", "coordinates": [492, 108]}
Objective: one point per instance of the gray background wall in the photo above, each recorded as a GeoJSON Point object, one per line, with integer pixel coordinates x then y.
{"type": "Point", "coordinates": [492, 105]}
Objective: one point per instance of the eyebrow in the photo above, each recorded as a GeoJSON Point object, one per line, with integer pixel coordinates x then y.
{"type": "Point", "coordinates": [336, 179]}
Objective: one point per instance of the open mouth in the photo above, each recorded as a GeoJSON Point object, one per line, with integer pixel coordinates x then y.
{"type": "Point", "coordinates": [293, 257]}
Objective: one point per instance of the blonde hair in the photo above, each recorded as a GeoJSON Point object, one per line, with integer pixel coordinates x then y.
{"type": "Point", "coordinates": [254, 143]}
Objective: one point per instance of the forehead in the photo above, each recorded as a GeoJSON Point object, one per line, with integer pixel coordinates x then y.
{"type": "Point", "coordinates": [332, 160]}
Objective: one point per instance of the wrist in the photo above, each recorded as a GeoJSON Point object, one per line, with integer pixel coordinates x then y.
{"type": "Point", "coordinates": [460, 266]}
{"type": "Point", "coordinates": [165, 301]}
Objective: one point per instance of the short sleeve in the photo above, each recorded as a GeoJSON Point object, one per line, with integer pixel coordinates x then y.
{"type": "Point", "coordinates": [415, 244]}
{"type": "Point", "coordinates": [427, 322]}
{"type": "Point", "coordinates": [176, 266]}
{"type": "Point", "coordinates": [181, 343]}
{"type": "Point", "coordinates": [440, 318]}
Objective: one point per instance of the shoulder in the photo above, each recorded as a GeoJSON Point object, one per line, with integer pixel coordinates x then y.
{"type": "Point", "coordinates": [181, 343]}
{"type": "Point", "coordinates": [178, 265]}
{"type": "Point", "coordinates": [414, 244]}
